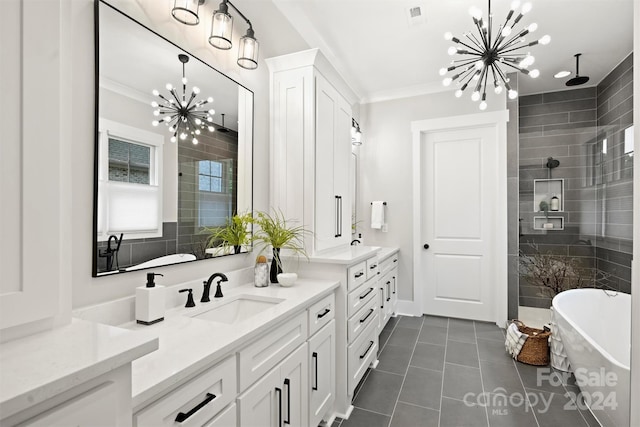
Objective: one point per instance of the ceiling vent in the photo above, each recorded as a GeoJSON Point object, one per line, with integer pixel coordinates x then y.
{"type": "Point", "coordinates": [415, 16]}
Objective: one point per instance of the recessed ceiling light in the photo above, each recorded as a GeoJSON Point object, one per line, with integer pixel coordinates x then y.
{"type": "Point", "coordinates": [561, 74]}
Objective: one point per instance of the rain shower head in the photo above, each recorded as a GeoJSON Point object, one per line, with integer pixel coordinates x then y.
{"type": "Point", "coordinates": [578, 79]}
{"type": "Point", "coordinates": [552, 163]}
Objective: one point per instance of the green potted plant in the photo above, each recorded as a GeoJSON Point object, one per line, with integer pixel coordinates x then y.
{"type": "Point", "coordinates": [234, 234]}
{"type": "Point", "coordinates": [277, 232]}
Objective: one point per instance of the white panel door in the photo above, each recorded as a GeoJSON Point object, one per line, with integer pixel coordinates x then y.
{"type": "Point", "coordinates": [327, 201]}
{"type": "Point", "coordinates": [459, 196]}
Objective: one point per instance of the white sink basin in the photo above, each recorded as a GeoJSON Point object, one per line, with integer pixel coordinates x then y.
{"type": "Point", "coordinates": [237, 309]}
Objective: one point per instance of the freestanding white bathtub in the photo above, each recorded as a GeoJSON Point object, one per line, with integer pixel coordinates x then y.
{"type": "Point", "coordinates": [595, 329]}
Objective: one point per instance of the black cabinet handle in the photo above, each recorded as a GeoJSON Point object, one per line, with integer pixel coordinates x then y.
{"type": "Point", "coordinates": [394, 285]}
{"type": "Point", "coordinates": [340, 216]}
{"type": "Point", "coordinates": [382, 297]}
{"type": "Point", "coordinates": [287, 383]}
{"type": "Point", "coordinates": [324, 313]}
{"type": "Point", "coordinates": [363, 355]}
{"type": "Point", "coordinates": [183, 417]}
{"type": "Point", "coordinates": [363, 296]}
{"type": "Point", "coordinates": [314, 356]}
{"type": "Point", "coordinates": [359, 274]}
{"type": "Point", "coordinates": [426, 246]}
{"type": "Point", "coordinates": [364, 319]}
{"type": "Point", "coordinates": [373, 267]}
{"type": "Point", "coordinates": [279, 406]}
{"type": "Point", "coordinates": [395, 260]}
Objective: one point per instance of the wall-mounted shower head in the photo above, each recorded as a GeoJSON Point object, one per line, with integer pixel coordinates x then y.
{"type": "Point", "coordinates": [552, 163]}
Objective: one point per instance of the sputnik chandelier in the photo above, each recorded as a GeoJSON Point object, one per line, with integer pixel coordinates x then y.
{"type": "Point", "coordinates": [488, 55]}
{"type": "Point", "coordinates": [184, 116]}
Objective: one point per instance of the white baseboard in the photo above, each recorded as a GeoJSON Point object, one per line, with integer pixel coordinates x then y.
{"type": "Point", "coordinates": [408, 308]}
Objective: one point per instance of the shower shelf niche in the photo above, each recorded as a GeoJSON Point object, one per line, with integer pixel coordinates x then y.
{"type": "Point", "coordinates": [557, 223]}
{"type": "Point", "coordinates": [545, 189]}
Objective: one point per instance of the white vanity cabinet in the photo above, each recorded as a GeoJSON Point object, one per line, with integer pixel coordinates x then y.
{"type": "Point", "coordinates": [280, 397]}
{"type": "Point", "coordinates": [311, 147]}
{"type": "Point", "coordinates": [196, 402]}
{"type": "Point", "coordinates": [107, 402]}
{"type": "Point", "coordinates": [388, 287]}
{"type": "Point", "coordinates": [322, 373]}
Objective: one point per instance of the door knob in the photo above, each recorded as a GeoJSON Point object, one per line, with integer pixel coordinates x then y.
{"type": "Point", "coordinates": [426, 246]}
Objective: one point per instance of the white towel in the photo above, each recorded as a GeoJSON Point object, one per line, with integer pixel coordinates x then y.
{"type": "Point", "coordinates": [377, 214]}
{"type": "Point", "coordinates": [515, 340]}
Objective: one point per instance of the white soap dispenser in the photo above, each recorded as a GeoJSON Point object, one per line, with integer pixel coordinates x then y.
{"type": "Point", "coordinates": [150, 302]}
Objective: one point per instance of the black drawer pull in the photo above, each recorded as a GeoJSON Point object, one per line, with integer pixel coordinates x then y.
{"type": "Point", "coordinates": [183, 417]}
{"type": "Point", "coordinates": [367, 350]}
{"type": "Point", "coordinates": [288, 384]}
{"type": "Point", "coordinates": [388, 282]}
{"type": "Point", "coordinates": [324, 313]}
{"type": "Point", "coordinates": [363, 296]}
{"type": "Point", "coordinates": [388, 299]}
{"type": "Point", "coordinates": [279, 406]}
{"type": "Point", "coordinates": [364, 319]}
{"type": "Point", "coordinates": [314, 356]}
{"type": "Point", "coordinates": [359, 274]}
{"type": "Point", "coordinates": [395, 260]}
{"type": "Point", "coordinates": [373, 267]}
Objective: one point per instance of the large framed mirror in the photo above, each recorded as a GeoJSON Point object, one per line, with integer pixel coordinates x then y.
{"type": "Point", "coordinates": [174, 142]}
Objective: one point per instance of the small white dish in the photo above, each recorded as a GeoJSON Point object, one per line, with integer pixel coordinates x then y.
{"type": "Point", "coordinates": [287, 279]}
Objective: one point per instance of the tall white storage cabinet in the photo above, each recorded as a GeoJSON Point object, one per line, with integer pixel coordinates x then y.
{"type": "Point", "coordinates": [311, 147]}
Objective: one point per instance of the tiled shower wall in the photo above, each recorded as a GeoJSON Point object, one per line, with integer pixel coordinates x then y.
{"type": "Point", "coordinates": [570, 127]}
{"type": "Point", "coordinates": [221, 147]}
{"type": "Point", "coordinates": [135, 251]}
{"type": "Point", "coordinates": [614, 223]}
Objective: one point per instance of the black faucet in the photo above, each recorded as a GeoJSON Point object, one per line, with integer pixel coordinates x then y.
{"type": "Point", "coordinates": [205, 292]}
{"type": "Point", "coordinates": [111, 253]}
{"type": "Point", "coordinates": [190, 302]}
{"type": "Point", "coordinates": [354, 242]}
{"type": "Point", "coordinates": [222, 277]}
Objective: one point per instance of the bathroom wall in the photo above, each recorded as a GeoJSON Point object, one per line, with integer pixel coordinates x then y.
{"type": "Point", "coordinates": [614, 211]}
{"type": "Point", "coordinates": [385, 172]}
{"type": "Point", "coordinates": [570, 126]}
{"type": "Point", "coordinates": [265, 17]}
{"type": "Point", "coordinates": [513, 202]}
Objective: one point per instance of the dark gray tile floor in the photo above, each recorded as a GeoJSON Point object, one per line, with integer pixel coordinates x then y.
{"type": "Point", "coordinates": [442, 372]}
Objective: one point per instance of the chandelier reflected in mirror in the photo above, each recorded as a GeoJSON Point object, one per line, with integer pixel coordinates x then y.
{"type": "Point", "coordinates": [487, 55]}
{"type": "Point", "coordinates": [184, 116]}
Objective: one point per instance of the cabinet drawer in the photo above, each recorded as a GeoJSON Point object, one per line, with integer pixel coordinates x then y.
{"type": "Point", "coordinates": [357, 275]}
{"type": "Point", "coordinates": [372, 267]}
{"type": "Point", "coordinates": [198, 400]}
{"type": "Point", "coordinates": [359, 297]}
{"type": "Point", "coordinates": [226, 418]}
{"type": "Point", "coordinates": [361, 353]}
{"type": "Point", "coordinates": [321, 313]}
{"type": "Point", "coordinates": [388, 263]}
{"type": "Point", "coordinates": [360, 321]}
{"type": "Point", "coordinates": [265, 353]}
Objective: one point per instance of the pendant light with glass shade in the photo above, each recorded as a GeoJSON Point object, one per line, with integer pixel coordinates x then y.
{"type": "Point", "coordinates": [186, 12]}
{"type": "Point", "coordinates": [488, 55]}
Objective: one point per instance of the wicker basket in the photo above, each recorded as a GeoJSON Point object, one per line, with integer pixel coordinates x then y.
{"type": "Point", "coordinates": [535, 350]}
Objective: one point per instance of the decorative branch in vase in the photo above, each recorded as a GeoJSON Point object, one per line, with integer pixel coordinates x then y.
{"type": "Point", "coordinates": [277, 232]}
{"type": "Point", "coordinates": [556, 273]}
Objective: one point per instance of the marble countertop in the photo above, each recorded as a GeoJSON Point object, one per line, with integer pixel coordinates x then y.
{"type": "Point", "coordinates": [347, 255]}
{"type": "Point", "coordinates": [385, 253]}
{"type": "Point", "coordinates": [40, 366]}
{"type": "Point", "coordinates": [188, 344]}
